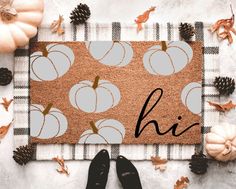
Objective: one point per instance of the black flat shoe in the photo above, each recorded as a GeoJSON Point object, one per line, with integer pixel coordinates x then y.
{"type": "Point", "coordinates": [98, 171]}
{"type": "Point", "coordinates": [127, 174]}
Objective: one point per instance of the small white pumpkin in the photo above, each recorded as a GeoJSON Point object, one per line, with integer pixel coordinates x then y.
{"type": "Point", "coordinates": [18, 22]}
{"type": "Point", "coordinates": [94, 97]}
{"type": "Point", "coordinates": [191, 97]}
{"type": "Point", "coordinates": [51, 63]}
{"type": "Point", "coordinates": [104, 131]}
{"type": "Point", "coordinates": [46, 123]}
{"type": "Point", "coordinates": [221, 142]}
{"type": "Point", "coordinates": [111, 53]}
{"type": "Point", "coordinates": [167, 58]}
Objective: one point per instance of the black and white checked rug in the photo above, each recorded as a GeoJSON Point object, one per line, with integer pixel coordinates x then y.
{"type": "Point", "coordinates": [123, 32]}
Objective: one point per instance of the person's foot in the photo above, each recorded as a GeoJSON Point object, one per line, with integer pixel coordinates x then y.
{"type": "Point", "coordinates": [98, 171]}
{"type": "Point", "coordinates": [127, 174]}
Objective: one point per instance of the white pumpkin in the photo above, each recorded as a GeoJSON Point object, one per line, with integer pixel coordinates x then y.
{"type": "Point", "coordinates": [111, 53]}
{"type": "Point", "coordinates": [104, 131]}
{"type": "Point", "coordinates": [46, 123]}
{"type": "Point", "coordinates": [51, 63]}
{"type": "Point", "coordinates": [94, 97]}
{"type": "Point", "coordinates": [221, 142]}
{"type": "Point", "coordinates": [167, 58]}
{"type": "Point", "coordinates": [191, 97]}
{"type": "Point", "coordinates": [18, 22]}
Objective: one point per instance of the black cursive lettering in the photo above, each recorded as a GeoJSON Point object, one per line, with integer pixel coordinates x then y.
{"type": "Point", "coordinates": [143, 115]}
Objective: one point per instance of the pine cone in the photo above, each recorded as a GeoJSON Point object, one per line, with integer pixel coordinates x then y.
{"type": "Point", "coordinates": [5, 76]}
{"type": "Point", "coordinates": [23, 154]}
{"type": "Point", "coordinates": [80, 14]}
{"type": "Point", "coordinates": [198, 163]}
{"type": "Point", "coordinates": [225, 85]}
{"type": "Point", "coordinates": [186, 31]}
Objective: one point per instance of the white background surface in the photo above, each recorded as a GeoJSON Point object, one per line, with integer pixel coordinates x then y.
{"type": "Point", "coordinates": [42, 175]}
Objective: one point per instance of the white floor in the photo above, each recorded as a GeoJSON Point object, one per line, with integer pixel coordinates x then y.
{"type": "Point", "coordinates": [42, 175]}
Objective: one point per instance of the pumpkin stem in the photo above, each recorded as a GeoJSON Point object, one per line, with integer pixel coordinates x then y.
{"type": "Point", "coordinates": [7, 12]}
{"type": "Point", "coordinates": [163, 45]}
{"type": "Point", "coordinates": [94, 128]}
{"type": "Point", "coordinates": [95, 83]}
{"type": "Point", "coordinates": [228, 146]}
{"type": "Point", "coordinates": [47, 109]}
{"type": "Point", "coordinates": [45, 52]}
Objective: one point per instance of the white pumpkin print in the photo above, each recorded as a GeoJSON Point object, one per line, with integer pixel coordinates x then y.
{"type": "Point", "coordinates": [191, 97]}
{"type": "Point", "coordinates": [94, 97]}
{"type": "Point", "coordinates": [104, 131]}
{"type": "Point", "coordinates": [51, 63]}
{"type": "Point", "coordinates": [111, 53]}
{"type": "Point", "coordinates": [46, 123]}
{"type": "Point", "coordinates": [167, 58]}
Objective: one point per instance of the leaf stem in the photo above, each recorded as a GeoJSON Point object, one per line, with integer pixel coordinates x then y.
{"type": "Point", "coordinates": [231, 7]}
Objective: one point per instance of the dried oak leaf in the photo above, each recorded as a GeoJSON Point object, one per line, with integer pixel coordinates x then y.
{"type": "Point", "coordinates": [223, 107]}
{"type": "Point", "coordinates": [224, 27]}
{"type": "Point", "coordinates": [56, 26]}
{"type": "Point", "coordinates": [143, 18]}
{"type": "Point", "coordinates": [63, 168]}
{"type": "Point", "coordinates": [4, 130]}
{"type": "Point", "coordinates": [182, 183]}
{"type": "Point", "coordinates": [159, 163]}
{"type": "Point", "coordinates": [6, 103]}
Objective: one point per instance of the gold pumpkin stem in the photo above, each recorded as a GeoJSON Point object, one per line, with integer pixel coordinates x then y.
{"type": "Point", "coordinates": [163, 45]}
{"type": "Point", "coordinates": [45, 52]}
{"type": "Point", "coordinates": [93, 126]}
{"type": "Point", "coordinates": [228, 146]}
{"type": "Point", "coordinates": [95, 83]}
{"type": "Point", "coordinates": [47, 109]}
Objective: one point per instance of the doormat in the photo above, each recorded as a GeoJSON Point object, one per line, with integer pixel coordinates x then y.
{"type": "Point", "coordinates": [116, 92]}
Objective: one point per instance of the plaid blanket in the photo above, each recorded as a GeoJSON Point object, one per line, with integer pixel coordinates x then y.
{"type": "Point", "coordinates": [124, 32]}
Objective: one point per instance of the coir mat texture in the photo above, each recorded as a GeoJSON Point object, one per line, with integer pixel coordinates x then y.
{"type": "Point", "coordinates": [113, 92]}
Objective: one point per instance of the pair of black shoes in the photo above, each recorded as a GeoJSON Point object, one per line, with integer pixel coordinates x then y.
{"type": "Point", "coordinates": [99, 168]}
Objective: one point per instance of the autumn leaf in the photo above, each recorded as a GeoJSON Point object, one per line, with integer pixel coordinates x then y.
{"type": "Point", "coordinates": [63, 168]}
{"type": "Point", "coordinates": [56, 26]}
{"type": "Point", "coordinates": [224, 27]}
{"type": "Point", "coordinates": [223, 107]}
{"type": "Point", "coordinates": [4, 130]}
{"type": "Point", "coordinates": [159, 163]}
{"type": "Point", "coordinates": [182, 183]}
{"type": "Point", "coordinates": [143, 18]}
{"type": "Point", "coordinates": [6, 103]}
